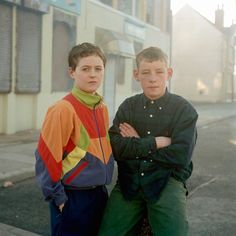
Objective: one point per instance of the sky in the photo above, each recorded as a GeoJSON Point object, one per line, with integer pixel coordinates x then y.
{"type": "Point", "coordinates": [207, 8]}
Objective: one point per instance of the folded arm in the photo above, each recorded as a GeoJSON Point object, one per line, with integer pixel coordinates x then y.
{"type": "Point", "coordinates": [126, 130]}
{"type": "Point", "coordinates": [175, 151]}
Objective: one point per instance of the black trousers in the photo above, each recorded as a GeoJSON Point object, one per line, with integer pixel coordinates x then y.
{"type": "Point", "coordinates": [82, 213]}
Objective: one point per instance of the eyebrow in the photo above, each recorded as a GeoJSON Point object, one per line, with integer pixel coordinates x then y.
{"type": "Point", "coordinates": [92, 66]}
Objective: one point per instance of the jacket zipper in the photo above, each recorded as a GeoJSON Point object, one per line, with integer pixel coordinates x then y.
{"type": "Point", "coordinates": [99, 135]}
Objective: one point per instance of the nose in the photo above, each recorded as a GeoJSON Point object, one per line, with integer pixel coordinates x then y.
{"type": "Point", "coordinates": [152, 78]}
{"type": "Point", "coordinates": [92, 72]}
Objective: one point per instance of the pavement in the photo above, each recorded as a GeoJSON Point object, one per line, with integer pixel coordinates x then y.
{"type": "Point", "coordinates": [17, 152]}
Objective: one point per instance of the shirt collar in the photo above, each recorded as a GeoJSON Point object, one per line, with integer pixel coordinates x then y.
{"type": "Point", "coordinates": [158, 102]}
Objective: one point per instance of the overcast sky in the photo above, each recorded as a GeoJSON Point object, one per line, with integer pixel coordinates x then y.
{"type": "Point", "coordinates": [207, 8]}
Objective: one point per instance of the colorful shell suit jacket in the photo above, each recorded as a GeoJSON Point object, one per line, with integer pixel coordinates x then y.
{"type": "Point", "coordinates": [74, 148]}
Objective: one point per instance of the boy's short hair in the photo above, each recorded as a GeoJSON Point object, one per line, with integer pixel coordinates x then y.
{"type": "Point", "coordinates": [151, 54]}
{"type": "Point", "coordinates": [84, 50]}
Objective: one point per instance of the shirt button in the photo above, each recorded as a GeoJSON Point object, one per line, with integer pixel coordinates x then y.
{"type": "Point", "coordinates": [151, 115]}
{"type": "Point", "coordinates": [137, 157]}
{"type": "Point", "coordinates": [144, 107]}
{"type": "Point", "coordinates": [152, 102]}
{"type": "Point", "coordinates": [160, 108]}
{"type": "Point", "coordinates": [144, 161]}
{"type": "Point", "coordinates": [142, 174]}
{"type": "Point", "coordinates": [151, 160]}
{"type": "Point", "coordinates": [148, 132]}
{"type": "Point", "coordinates": [150, 152]}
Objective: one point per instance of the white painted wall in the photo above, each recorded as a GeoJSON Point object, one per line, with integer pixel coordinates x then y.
{"type": "Point", "coordinates": [2, 112]}
{"type": "Point", "coordinates": [24, 111]}
{"type": "Point", "coordinates": [198, 57]}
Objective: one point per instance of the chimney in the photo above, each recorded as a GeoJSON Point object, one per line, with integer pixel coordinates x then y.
{"type": "Point", "coordinates": [219, 17]}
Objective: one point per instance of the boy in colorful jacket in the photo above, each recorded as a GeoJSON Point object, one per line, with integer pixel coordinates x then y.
{"type": "Point", "coordinates": [74, 161]}
{"type": "Point", "coordinates": [153, 137]}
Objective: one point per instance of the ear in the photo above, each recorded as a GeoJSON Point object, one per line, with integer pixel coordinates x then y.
{"type": "Point", "coordinates": [71, 72]}
{"type": "Point", "coordinates": [135, 74]}
{"type": "Point", "coordinates": [170, 73]}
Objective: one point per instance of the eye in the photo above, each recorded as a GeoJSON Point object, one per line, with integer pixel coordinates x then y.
{"type": "Point", "coordinates": [98, 68]}
{"type": "Point", "coordinates": [85, 69]}
{"type": "Point", "coordinates": [159, 72]}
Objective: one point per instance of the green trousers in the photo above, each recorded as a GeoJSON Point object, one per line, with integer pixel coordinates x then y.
{"type": "Point", "coordinates": [167, 216]}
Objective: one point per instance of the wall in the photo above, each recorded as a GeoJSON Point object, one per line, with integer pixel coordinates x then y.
{"type": "Point", "coordinates": [2, 112]}
{"type": "Point", "coordinates": [26, 111]}
{"type": "Point", "coordinates": [198, 54]}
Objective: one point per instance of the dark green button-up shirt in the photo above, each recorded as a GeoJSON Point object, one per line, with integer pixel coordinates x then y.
{"type": "Point", "coordinates": [141, 166]}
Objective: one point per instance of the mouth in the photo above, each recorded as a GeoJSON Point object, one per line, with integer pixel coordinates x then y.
{"type": "Point", "coordinates": [92, 82]}
{"type": "Point", "coordinates": [153, 87]}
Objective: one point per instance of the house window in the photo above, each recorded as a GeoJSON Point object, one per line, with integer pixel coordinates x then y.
{"type": "Point", "coordinates": [138, 9]}
{"type": "Point", "coordinates": [5, 47]}
{"type": "Point", "coordinates": [125, 6]}
{"type": "Point", "coordinates": [107, 2]}
{"type": "Point", "coordinates": [64, 38]}
{"type": "Point", "coordinates": [155, 12]}
{"type": "Point", "coordinates": [28, 57]}
{"type": "Point", "coordinates": [159, 14]}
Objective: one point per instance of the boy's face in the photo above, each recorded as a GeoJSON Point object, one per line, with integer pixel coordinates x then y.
{"type": "Point", "coordinates": [88, 74]}
{"type": "Point", "coordinates": [153, 77]}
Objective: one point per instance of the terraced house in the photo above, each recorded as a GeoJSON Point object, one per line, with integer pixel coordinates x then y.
{"type": "Point", "coordinates": [35, 37]}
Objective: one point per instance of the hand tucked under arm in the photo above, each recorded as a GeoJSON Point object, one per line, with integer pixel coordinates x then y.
{"type": "Point", "coordinates": [126, 130]}
{"type": "Point", "coordinates": [162, 141]}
